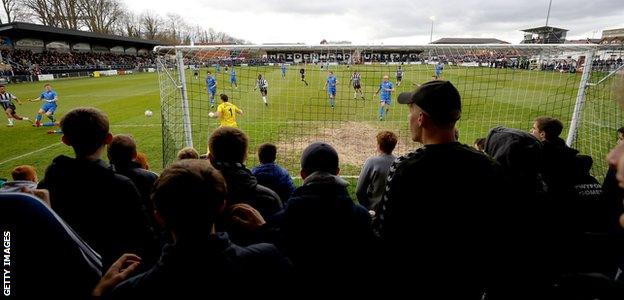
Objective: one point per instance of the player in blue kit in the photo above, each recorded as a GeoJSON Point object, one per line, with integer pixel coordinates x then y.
{"type": "Point", "coordinates": [233, 77]}
{"type": "Point", "coordinates": [283, 68]}
{"type": "Point", "coordinates": [386, 88]}
{"type": "Point", "coordinates": [438, 70]}
{"type": "Point", "coordinates": [49, 106]}
{"type": "Point", "coordinates": [211, 87]}
{"type": "Point", "coordinates": [330, 86]}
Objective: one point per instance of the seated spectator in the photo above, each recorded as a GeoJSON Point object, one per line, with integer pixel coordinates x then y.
{"type": "Point", "coordinates": [323, 230]}
{"type": "Point", "coordinates": [122, 153]}
{"type": "Point", "coordinates": [427, 202]}
{"type": "Point", "coordinates": [479, 144]}
{"type": "Point", "coordinates": [141, 158]}
{"type": "Point", "coordinates": [227, 153]}
{"type": "Point", "coordinates": [272, 175]}
{"type": "Point", "coordinates": [189, 196]}
{"type": "Point", "coordinates": [25, 172]}
{"type": "Point", "coordinates": [188, 153]}
{"type": "Point", "coordinates": [103, 207]}
{"type": "Point", "coordinates": [372, 180]}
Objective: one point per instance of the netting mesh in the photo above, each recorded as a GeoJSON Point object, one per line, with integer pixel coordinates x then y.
{"type": "Point", "coordinates": [500, 85]}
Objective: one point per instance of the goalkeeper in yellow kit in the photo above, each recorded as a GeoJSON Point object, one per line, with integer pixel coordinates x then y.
{"type": "Point", "coordinates": [226, 112]}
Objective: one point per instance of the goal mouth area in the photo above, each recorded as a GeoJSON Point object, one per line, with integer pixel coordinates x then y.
{"type": "Point", "coordinates": [501, 85]}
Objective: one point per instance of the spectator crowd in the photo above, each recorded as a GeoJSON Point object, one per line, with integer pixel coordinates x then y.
{"type": "Point", "coordinates": [26, 62]}
{"type": "Point", "coordinates": [517, 216]}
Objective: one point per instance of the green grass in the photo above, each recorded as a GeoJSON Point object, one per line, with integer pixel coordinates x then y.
{"type": "Point", "coordinates": [296, 114]}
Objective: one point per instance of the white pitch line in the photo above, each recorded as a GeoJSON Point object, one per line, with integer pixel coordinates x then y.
{"type": "Point", "coordinates": [136, 125]}
{"type": "Point", "coordinates": [30, 153]}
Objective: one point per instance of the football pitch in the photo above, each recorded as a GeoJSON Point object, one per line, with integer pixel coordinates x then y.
{"type": "Point", "coordinates": [296, 115]}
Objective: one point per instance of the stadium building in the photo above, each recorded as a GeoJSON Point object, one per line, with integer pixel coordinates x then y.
{"type": "Point", "coordinates": [31, 50]}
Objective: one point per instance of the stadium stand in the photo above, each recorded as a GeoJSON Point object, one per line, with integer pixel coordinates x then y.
{"type": "Point", "coordinates": [30, 50]}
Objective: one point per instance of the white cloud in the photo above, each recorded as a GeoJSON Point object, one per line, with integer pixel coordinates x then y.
{"type": "Point", "coordinates": [388, 22]}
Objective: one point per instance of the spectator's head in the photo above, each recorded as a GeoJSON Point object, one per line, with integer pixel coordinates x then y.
{"type": "Point", "coordinates": [86, 129]}
{"type": "Point", "coordinates": [319, 157]}
{"type": "Point", "coordinates": [224, 97]}
{"type": "Point", "coordinates": [620, 134]}
{"type": "Point", "coordinates": [546, 128]}
{"type": "Point", "coordinates": [386, 141]}
{"type": "Point", "coordinates": [267, 153]}
{"type": "Point", "coordinates": [122, 150]}
{"type": "Point", "coordinates": [434, 107]}
{"type": "Point", "coordinates": [141, 159]}
{"type": "Point", "coordinates": [227, 144]}
{"type": "Point", "coordinates": [188, 153]}
{"type": "Point", "coordinates": [188, 196]}
{"type": "Point", "coordinates": [479, 144]}
{"type": "Point", "coordinates": [25, 172]}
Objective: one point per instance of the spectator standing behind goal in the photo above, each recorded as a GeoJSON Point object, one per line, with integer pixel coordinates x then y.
{"type": "Point", "coordinates": [188, 153]}
{"type": "Point", "coordinates": [189, 198]}
{"type": "Point", "coordinates": [104, 208]}
{"type": "Point", "coordinates": [227, 153]}
{"type": "Point", "coordinates": [372, 181]}
{"type": "Point", "coordinates": [122, 153]}
{"type": "Point", "coordinates": [272, 175]}
{"type": "Point", "coordinates": [323, 231]}
{"type": "Point", "coordinates": [426, 202]}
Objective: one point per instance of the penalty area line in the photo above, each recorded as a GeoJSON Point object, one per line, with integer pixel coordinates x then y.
{"type": "Point", "coordinates": [30, 153]}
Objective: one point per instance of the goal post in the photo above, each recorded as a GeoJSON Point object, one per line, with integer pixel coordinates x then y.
{"type": "Point", "coordinates": [500, 85]}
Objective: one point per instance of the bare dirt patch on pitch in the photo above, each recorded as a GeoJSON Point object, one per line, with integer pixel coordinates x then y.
{"type": "Point", "coordinates": [354, 141]}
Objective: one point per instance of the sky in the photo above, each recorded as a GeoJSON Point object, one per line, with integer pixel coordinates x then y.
{"type": "Point", "coordinates": [388, 22]}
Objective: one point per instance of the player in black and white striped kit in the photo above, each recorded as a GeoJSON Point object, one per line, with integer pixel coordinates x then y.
{"type": "Point", "coordinates": [356, 81]}
{"type": "Point", "coordinates": [6, 100]}
{"type": "Point", "coordinates": [263, 85]}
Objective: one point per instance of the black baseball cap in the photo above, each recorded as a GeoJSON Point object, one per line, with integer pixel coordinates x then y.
{"type": "Point", "coordinates": [438, 98]}
{"type": "Point", "coordinates": [319, 156]}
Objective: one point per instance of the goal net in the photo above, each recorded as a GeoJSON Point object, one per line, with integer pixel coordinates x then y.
{"type": "Point", "coordinates": [500, 85]}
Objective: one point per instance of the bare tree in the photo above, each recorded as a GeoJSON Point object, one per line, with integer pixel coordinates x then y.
{"type": "Point", "coordinates": [66, 13]}
{"type": "Point", "coordinates": [40, 11]}
{"type": "Point", "coordinates": [12, 10]}
{"type": "Point", "coordinates": [128, 25]}
{"type": "Point", "coordinates": [58, 13]}
{"type": "Point", "coordinates": [100, 15]}
{"type": "Point", "coordinates": [151, 24]}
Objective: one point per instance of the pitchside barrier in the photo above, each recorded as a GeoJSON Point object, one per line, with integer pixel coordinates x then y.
{"type": "Point", "coordinates": [500, 85]}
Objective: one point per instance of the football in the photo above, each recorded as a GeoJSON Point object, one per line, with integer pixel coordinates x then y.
{"type": "Point", "coordinates": [211, 114]}
{"type": "Point", "coordinates": [149, 113]}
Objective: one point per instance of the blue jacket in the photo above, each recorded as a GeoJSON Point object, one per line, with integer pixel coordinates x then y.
{"type": "Point", "coordinates": [276, 178]}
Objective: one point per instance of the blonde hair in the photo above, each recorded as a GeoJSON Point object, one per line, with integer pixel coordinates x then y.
{"type": "Point", "coordinates": [188, 153]}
